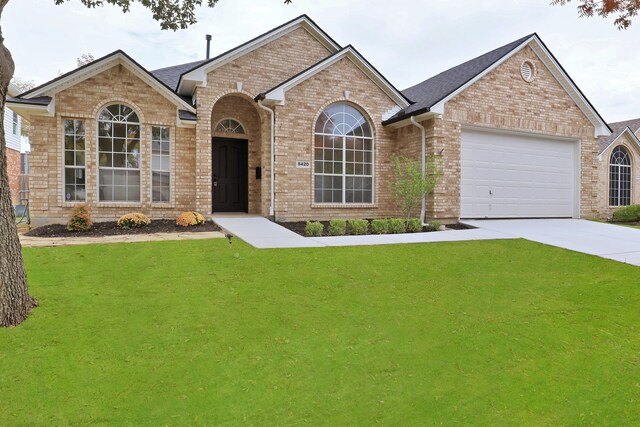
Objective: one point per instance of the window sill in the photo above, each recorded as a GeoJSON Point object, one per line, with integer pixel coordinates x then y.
{"type": "Point", "coordinates": [119, 204]}
{"type": "Point", "coordinates": [162, 205]}
{"type": "Point", "coordinates": [344, 206]}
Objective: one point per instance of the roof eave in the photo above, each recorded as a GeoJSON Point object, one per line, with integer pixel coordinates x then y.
{"type": "Point", "coordinates": [96, 67]}
{"type": "Point", "coordinates": [277, 94]}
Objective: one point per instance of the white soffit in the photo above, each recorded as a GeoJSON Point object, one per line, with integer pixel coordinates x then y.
{"type": "Point", "coordinates": [198, 76]}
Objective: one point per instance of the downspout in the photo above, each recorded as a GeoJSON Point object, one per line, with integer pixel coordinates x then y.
{"type": "Point", "coordinates": [423, 137]}
{"type": "Point", "coordinates": [273, 155]}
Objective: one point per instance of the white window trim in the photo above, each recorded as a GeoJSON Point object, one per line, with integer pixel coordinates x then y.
{"type": "Point", "coordinates": [63, 178]}
{"type": "Point", "coordinates": [344, 175]}
{"type": "Point", "coordinates": [619, 172]}
{"type": "Point", "coordinates": [170, 203]}
{"type": "Point", "coordinates": [236, 135]}
{"type": "Point", "coordinates": [118, 203]}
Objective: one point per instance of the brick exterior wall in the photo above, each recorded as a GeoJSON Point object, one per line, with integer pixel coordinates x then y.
{"type": "Point", "coordinates": [13, 170]}
{"type": "Point", "coordinates": [501, 100]}
{"type": "Point", "coordinates": [605, 156]}
{"type": "Point", "coordinates": [244, 78]}
{"type": "Point", "coordinates": [294, 141]}
{"type": "Point", "coordinates": [85, 101]}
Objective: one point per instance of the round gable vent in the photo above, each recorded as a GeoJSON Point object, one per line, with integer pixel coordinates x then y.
{"type": "Point", "coordinates": [527, 71]}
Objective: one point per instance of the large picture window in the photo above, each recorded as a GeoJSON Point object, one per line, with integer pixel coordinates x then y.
{"type": "Point", "coordinates": [620, 177]}
{"type": "Point", "coordinates": [343, 157]}
{"type": "Point", "coordinates": [160, 165]}
{"type": "Point", "coordinates": [119, 154]}
{"type": "Point", "coordinates": [74, 161]}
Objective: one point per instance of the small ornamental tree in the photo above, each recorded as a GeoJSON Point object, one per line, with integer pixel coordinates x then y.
{"type": "Point", "coordinates": [411, 185]}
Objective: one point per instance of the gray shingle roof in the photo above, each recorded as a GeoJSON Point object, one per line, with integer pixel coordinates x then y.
{"type": "Point", "coordinates": [171, 75]}
{"type": "Point", "coordinates": [428, 93]}
{"type": "Point", "coordinates": [618, 128]}
{"type": "Point", "coordinates": [40, 100]}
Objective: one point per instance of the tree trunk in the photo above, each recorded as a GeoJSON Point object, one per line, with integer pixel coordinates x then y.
{"type": "Point", "coordinates": [15, 302]}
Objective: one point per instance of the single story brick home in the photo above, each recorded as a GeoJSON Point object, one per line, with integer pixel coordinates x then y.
{"type": "Point", "coordinates": [294, 126]}
{"type": "Point", "coordinates": [620, 161]}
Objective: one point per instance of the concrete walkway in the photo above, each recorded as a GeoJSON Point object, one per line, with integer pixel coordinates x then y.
{"type": "Point", "coordinates": [39, 242]}
{"type": "Point", "coordinates": [604, 240]}
{"type": "Point", "coordinates": [262, 233]}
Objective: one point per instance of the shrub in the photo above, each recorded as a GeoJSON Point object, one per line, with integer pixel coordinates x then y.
{"type": "Point", "coordinates": [189, 219]}
{"type": "Point", "coordinates": [337, 227]}
{"type": "Point", "coordinates": [397, 226]}
{"type": "Point", "coordinates": [434, 225]}
{"type": "Point", "coordinates": [627, 214]}
{"type": "Point", "coordinates": [358, 227]}
{"type": "Point", "coordinates": [414, 225]}
{"type": "Point", "coordinates": [133, 220]}
{"type": "Point", "coordinates": [411, 185]}
{"type": "Point", "coordinates": [380, 226]}
{"type": "Point", "coordinates": [314, 229]}
{"type": "Point", "coordinates": [80, 219]}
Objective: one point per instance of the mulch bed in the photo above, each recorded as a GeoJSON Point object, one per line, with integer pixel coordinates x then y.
{"type": "Point", "coordinates": [298, 227]}
{"type": "Point", "coordinates": [101, 229]}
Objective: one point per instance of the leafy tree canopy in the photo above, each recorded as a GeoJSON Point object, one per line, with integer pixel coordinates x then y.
{"type": "Point", "coordinates": [625, 10]}
{"type": "Point", "coordinates": [171, 14]}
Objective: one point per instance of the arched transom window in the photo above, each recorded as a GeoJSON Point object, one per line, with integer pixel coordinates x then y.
{"type": "Point", "coordinates": [231, 126]}
{"type": "Point", "coordinates": [343, 156]}
{"type": "Point", "coordinates": [620, 177]}
{"type": "Point", "coordinates": [118, 154]}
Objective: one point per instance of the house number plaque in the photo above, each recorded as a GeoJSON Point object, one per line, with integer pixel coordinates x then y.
{"type": "Point", "coordinates": [303, 164]}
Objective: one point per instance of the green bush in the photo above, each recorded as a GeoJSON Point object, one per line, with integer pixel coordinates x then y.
{"type": "Point", "coordinates": [414, 225]}
{"type": "Point", "coordinates": [358, 227]}
{"type": "Point", "coordinates": [380, 226]}
{"type": "Point", "coordinates": [337, 227]}
{"type": "Point", "coordinates": [80, 219]}
{"type": "Point", "coordinates": [434, 225]}
{"type": "Point", "coordinates": [397, 226]}
{"type": "Point", "coordinates": [627, 214]}
{"type": "Point", "coordinates": [314, 229]}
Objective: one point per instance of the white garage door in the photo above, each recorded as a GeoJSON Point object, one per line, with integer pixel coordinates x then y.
{"type": "Point", "coordinates": [514, 176]}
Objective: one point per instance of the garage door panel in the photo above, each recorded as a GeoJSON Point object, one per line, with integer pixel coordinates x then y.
{"type": "Point", "coordinates": [516, 176]}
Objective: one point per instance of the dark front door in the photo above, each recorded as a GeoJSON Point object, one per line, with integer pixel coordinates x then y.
{"type": "Point", "coordinates": [230, 175]}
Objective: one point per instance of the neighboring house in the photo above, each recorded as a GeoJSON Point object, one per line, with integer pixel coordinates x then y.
{"type": "Point", "coordinates": [516, 136]}
{"type": "Point", "coordinates": [12, 135]}
{"type": "Point", "coordinates": [620, 165]}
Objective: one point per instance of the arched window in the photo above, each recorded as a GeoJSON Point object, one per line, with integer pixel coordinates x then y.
{"type": "Point", "coordinates": [620, 177]}
{"type": "Point", "coordinates": [343, 156]}
{"type": "Point", "coordinates": [230, 126]}
{"type": "Point", "coordinates": [118, 154]}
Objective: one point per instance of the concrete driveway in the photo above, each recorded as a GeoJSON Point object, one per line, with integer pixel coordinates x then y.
{"type": "Point", "coordinates": [604, 240]}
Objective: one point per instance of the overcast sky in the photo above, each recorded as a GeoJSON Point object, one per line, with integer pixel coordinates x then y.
{"type": "Point", "coordinates": [407, 40]}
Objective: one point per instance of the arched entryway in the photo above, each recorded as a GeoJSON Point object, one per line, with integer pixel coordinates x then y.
{"type": "Point", "coordinates": [236, 155]}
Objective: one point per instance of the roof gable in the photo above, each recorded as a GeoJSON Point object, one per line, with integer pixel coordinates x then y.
{"type": "Point", "coordinates": [96, 67]}
{"type": "Point", "coordinates": [433, 90]}
{"type": "Point", "coordinates": [432, 94]}
{"type": "Point", "coordinates": [170, 76]}
{"type": "Point", "coordinates": [619, 128]}
{"type": "Point", "coordinates": [277, 93]}
{"type": "Point", "coordinates": [189, 79]}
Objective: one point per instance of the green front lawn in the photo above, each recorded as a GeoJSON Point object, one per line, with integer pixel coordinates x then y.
{"type": "Point", "coordinates": [195, 333]}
